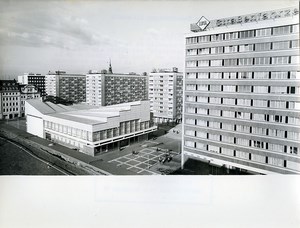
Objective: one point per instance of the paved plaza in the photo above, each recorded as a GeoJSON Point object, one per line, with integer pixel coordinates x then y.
{"type": "Point", "coordinates": [140, 163]}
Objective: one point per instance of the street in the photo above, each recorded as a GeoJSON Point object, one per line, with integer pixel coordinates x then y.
{"type": "Point", "coordinates": [15, 161]}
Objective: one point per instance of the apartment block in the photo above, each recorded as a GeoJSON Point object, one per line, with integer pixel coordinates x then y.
{"type": "Point", "coordinates": [108, 89]}
{"type": "Point", "coordinates": [70, 87]}
{"type": "Point", "coordinates": [165, 95]}
{"type": "Point", "coordinates": [37, 80]}
{"type": "Point", "coordinates": [242, 92]}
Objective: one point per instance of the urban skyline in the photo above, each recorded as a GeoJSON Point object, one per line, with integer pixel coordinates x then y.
{"type": "Point", "coordinates": [73, 36]}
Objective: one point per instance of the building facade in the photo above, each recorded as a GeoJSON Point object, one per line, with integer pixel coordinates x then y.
{"type": "Point", "coordinates": [33, 79]}
{"type": "Point", "coordinates": [165, 95]}
{"type": "Point", "coordinates": [70, 87]}
{"type": "Point", "coordinates": [10, 99]}
{"type": "Point", "coordinates": [90, 129]}
{"type": "Point", "coordinates": [108, 89]}
{"type": "Point", "coordinates": [13, 96]}
{"type": "Point", "coordinates": [28, 92]}
{"type": "Point", "coordinates": [242, 92]}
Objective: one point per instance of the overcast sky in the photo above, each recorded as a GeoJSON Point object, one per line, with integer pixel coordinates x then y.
{"type": "Point", "coordinates": [76, 36]}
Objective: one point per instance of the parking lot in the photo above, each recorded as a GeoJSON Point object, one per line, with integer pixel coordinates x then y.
{"type": "Point", "coordinates": [140, 163]}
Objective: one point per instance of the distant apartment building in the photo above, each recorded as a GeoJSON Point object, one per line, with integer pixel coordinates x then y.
{"type": "Point", "coordinates": [70, 87]}
{"type": "Point", "coordinates": [90, 129]}
{"type": "Point", "coordinates": [13, 96]}
{"type": "Point", "coordinates": [33, 79]}
{"type": "Point", "coordinates": [242, 92]}
{"type": "Point", "coordinates": [111, 88]}
{"type": "Point", "coordinates": [165, 95]}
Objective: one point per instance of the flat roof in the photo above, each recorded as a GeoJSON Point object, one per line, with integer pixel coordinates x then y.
{"type": "Point", "coordinates": [81, 113]}
{"type": "Point", "coordinates": [243, 19]}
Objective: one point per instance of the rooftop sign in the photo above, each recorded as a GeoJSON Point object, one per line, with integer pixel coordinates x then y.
{"type": "Point", "coordinates": [274, 14]}
{"type": "Point", "coordinates": [202, 23]}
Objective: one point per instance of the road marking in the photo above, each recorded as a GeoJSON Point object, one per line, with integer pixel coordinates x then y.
{"type": "Point", "coordinates": [144, 154]}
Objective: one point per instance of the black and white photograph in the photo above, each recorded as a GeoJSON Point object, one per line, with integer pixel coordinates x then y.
{"type": "Point", "coordinates": [149, 113]}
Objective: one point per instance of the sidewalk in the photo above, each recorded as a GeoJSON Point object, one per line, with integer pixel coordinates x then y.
{"type": "Point", "coordinates": [100, 161]}
{"type": "Point", "coordinates": [85, 160]}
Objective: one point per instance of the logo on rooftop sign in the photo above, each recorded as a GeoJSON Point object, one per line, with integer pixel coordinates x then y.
{"type": "Point", "coordinates": [203, 23]}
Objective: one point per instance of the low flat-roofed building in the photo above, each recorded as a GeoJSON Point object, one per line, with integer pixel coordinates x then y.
{"type": "Point", "coordinates": [90, 129]}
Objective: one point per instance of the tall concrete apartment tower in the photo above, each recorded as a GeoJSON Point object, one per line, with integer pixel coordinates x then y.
{"type": "Point", "coordinates": [107, 88]}
{"type": "Point", "coordinates": [165, 95]}
{"type": "Point", "coordinates": [242, 92]}
{"type": "Point", "coordinates": [70, 87]}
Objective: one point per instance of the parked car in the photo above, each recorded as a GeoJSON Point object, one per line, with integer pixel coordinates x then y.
{"type": "Point", "coordinates": [135, 152]}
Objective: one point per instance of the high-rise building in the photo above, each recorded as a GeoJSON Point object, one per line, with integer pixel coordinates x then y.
{"type": "Point", "coordinates": [108, 89]}
{"type": "Point", "coordinates": [90, 129]}
{"type": "Point", "coordinates": [70, 87]}
{"type": "Point", "coordinates": [33, 79]}
{"type": "Point", "coordinates": [165, 95]}
{"type": "Point", "coordinates": [242, 92]}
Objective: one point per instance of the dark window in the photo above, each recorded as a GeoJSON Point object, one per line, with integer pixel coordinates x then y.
{"type": "Point", "coordinates": [293, 90]}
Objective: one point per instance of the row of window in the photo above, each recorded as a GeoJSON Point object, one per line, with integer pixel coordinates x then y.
{"type": "Point", "coordinates": [10, 98]}
{"type": "Point", "coordinates": [125, 128]}
{"type": "Point", "coordinates": [281, 45]}
{"type": "Point", "coordinates": [279, 60]}
{"type": "Point", "coordinates": [282, 30]}
{"type": "Point", "coordinates": [238, 115]}
{"type": "Point", "coordinates": [243, 142]}
{"type": "Point", "coordinates": [18, 93]}
{"type": "Point", "coordinates": [244, 75]}
{"type": "Point", "coordinates": [245, 155]}
{"type": "Point", "coordinates": [10, 109]}
{"type": "Point", "coordinates": [245, 129]}
{"type": "Point", "coordinates": [243, 102]}
{"type": "Point", "coordinates": [10, 104]}
{"type": "Point", "coordinates": [244, 89]}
